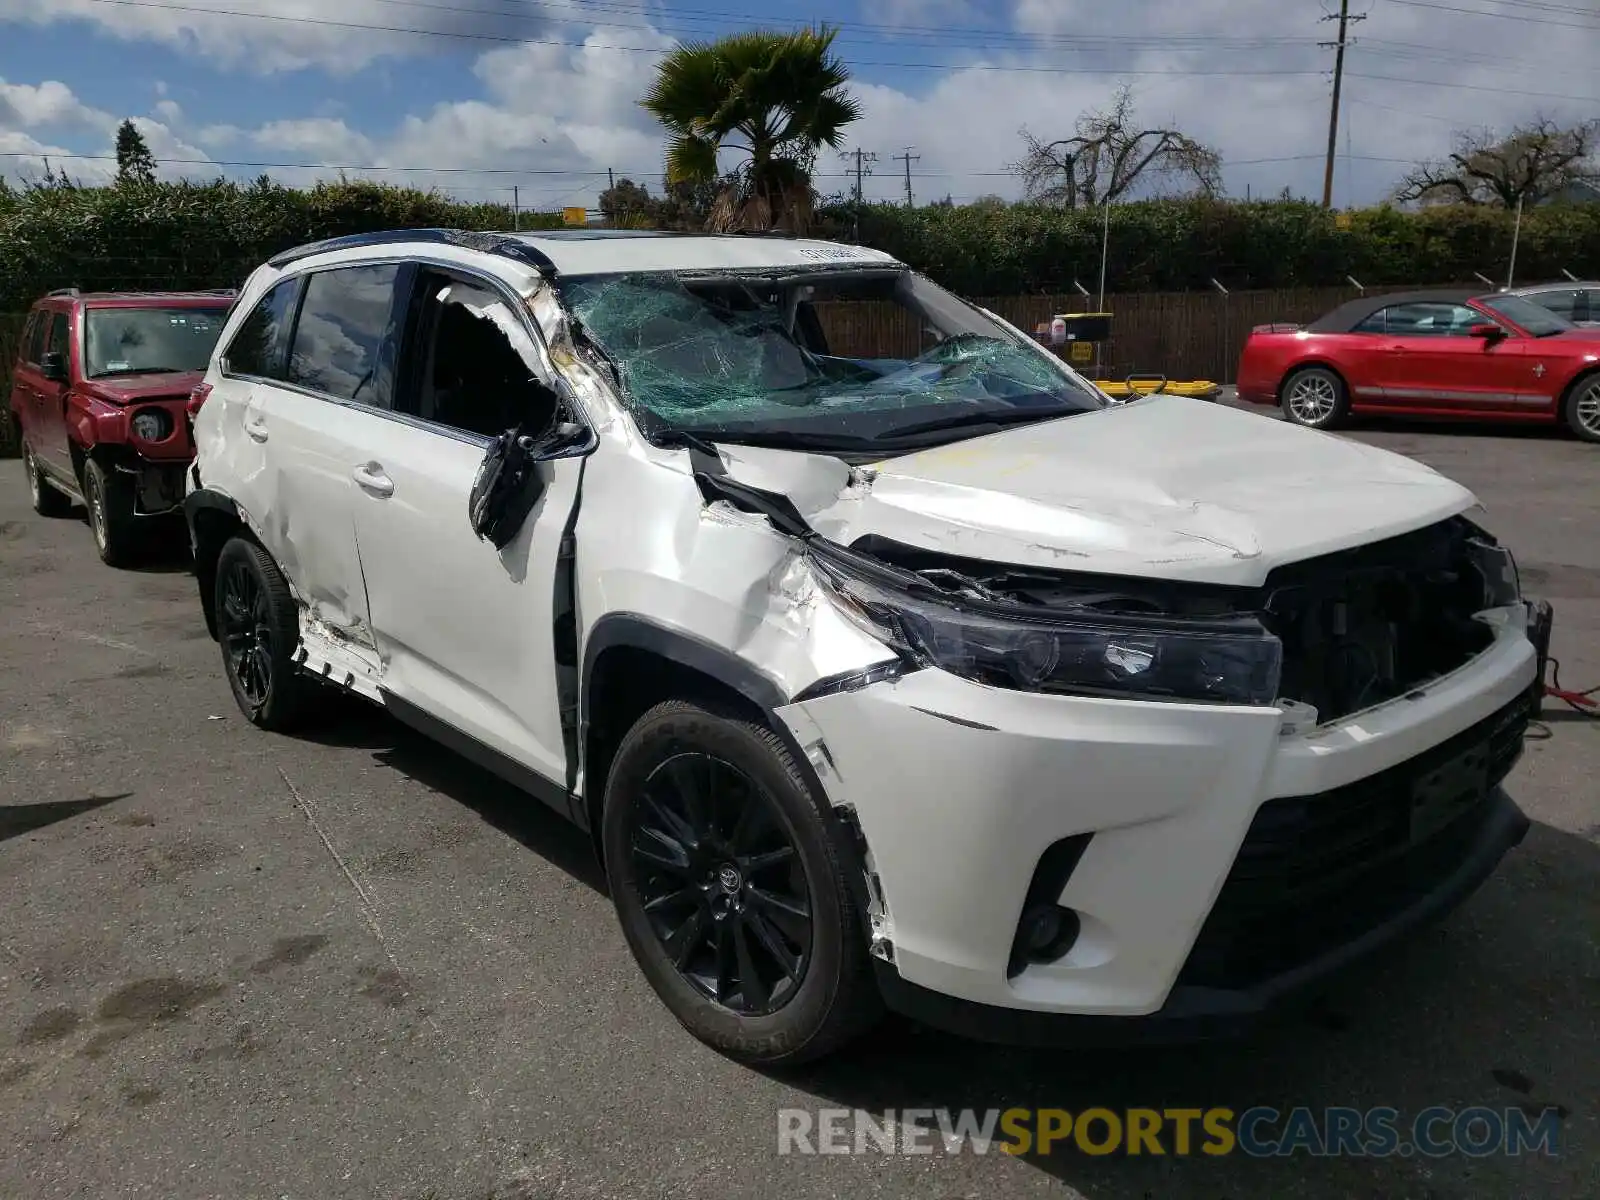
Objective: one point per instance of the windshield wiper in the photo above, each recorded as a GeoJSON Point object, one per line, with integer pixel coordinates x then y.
{"type": "Point", "coordinates": [142, 371]}
{"type": "Point", "coordinates": [974, 419]}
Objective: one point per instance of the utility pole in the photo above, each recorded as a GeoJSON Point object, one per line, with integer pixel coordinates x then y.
{"type": "Point", "coordinates": [863, 160]}
{"type": "Point", "coordinates": [611, 176]}
{"type": "Point", "coordinates": [909, 158]}
{"type": "Point", "coordinates": [1345, 20]}
{"type": "Point", "coordinates": [516, 209]}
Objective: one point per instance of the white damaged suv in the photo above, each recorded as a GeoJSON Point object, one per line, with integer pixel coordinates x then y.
{"type": "Point", "coordinates": [888, 661]}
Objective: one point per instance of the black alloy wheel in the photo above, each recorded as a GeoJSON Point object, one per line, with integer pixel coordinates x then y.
{"type": "Point", "coordinates": [732, 881]}
{"type": "Point", "coordinates": [258, 628]}
{"type": "Point", "coordinates": [245, 633]}
{"type": "Point", "coordinates": [719, 877]}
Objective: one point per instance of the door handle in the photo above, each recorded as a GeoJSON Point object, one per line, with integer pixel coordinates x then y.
{"type": "Point", "coordinates": [256, 429]}
{"type": "Point", "coordinates": [370, 478]}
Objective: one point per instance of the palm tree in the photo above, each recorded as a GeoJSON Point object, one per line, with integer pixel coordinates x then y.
{"type": "Point", "coordinates": [776, 98]}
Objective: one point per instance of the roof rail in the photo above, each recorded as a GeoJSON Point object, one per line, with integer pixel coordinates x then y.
{"type": "Point", "coordinates": [67, 291]}
{"type": "Point", "coordinates": [488, 243]}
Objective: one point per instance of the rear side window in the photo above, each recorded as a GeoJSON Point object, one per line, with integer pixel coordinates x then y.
{"type": "Point", "coordinates": [1587, 305]}
{"type": "Point", "coordinates": [257, 349]}
{"type": "Point", "coordinates": [340, 339]}
{"type": "Point", "coordinates": [36, 338]}
{"type": "Point", "coordinates": [1561, 303]}
{"type": "Point", "coordinates": [26, 351]}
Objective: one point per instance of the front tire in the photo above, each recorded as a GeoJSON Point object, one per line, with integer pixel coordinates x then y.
{"type": "Point", "coordinates": [1316, 398]}
{"type": "Point", "coordinates": [258, 630]}
{"type": "Point", "coordinates": [108, 496]}
{"type": "Point", "coordinates": [730, 890]}
{"type": "Point", "coordinates": [1581, 408]}
{"type": "Point", "coordinates": [47, 501]}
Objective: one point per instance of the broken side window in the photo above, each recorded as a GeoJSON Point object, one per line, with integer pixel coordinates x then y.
{"type": "Point", "coordinates": [474, 362]}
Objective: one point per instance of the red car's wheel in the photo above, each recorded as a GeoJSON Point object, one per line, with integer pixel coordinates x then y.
{"type": "Point", "coordinates": [1315, 397]}
{"type": "Point", "coordinates": [1581, 410]}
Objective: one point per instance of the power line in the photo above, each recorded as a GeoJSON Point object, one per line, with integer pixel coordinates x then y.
{"type": "Point", "coordinates": [508, 39]}
{"type": "Point", "coordinates": [1478, 12]}
{"type": "Point", "coordinates": [1475, 87]}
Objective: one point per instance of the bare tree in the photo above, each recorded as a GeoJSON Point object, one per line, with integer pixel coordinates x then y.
{"type": "Point", "coordinates": [1533, 162]}
{"type": "Point", "coordinates": [1108, 154]}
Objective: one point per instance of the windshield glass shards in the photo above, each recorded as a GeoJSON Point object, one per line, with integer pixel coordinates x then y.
{"type": "Point", "coordinates": [857, 360]}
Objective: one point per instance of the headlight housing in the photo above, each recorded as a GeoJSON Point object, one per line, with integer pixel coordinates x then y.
{"type": "Point", "coordinates": [151, 424]}
{"type": "Point", "coordinates": [1227, 661]}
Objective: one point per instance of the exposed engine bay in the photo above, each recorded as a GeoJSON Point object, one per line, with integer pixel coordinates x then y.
{"type": "Point", "coordinates": [1357, 628]}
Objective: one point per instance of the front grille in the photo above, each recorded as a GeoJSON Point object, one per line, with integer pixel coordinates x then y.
{"type": "Point", "coordinates": [1317, 871]}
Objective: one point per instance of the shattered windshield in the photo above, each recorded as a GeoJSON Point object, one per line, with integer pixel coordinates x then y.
{"type": "Point", "coordinates": [865, 360]}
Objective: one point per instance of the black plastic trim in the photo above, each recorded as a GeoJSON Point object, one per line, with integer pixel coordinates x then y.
{"type": "Point", "coordinates": [528, 780]}
{"type": "Point", "coordinates": [1192, 1013]}
{"type": "Point", "coordinates": [206, 498]}
{"type": "Point", "coordinates": [1050, 878]}
{"type": "Point", "coordinates": [641, 633]}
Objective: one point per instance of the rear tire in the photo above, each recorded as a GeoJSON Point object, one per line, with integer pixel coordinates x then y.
{"type": "Point", "coordinates": [108, 495]}
{"type": "Point", "coordinates": [47, 501]}
{"type": "Point", "coordinates": [1581, 408]}
{"type": "Point", "coordinates": [258, 629]}
{"type": "Point", "coordinates": [1316, 398]}
{"type": "Point", "coordinates": [730, 890]}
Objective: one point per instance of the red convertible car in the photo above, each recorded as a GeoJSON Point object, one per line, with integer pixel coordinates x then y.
{"type": "Point", "coordinates": [1440, 353]}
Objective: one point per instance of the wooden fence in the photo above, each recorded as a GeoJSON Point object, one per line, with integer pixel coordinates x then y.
{"type": "Point", "coordinates": [1182, 335]}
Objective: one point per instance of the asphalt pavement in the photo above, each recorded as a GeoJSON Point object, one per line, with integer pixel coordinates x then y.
{"type": "Point", "coordinates": [351, 965]}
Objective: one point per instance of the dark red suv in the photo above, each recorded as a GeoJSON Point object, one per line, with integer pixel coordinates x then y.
{"type": "Point", "coordinates": [98, 393]}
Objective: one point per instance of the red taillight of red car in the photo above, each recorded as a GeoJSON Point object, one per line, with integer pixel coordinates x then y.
{"type": "Point", "coordinates": [197, 398]}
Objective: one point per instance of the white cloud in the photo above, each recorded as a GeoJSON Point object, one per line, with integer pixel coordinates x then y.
{"type": "Point", "coordinates": [28, 110]}
{"type": "Point", "coordinates": [553, 118]}
{"type": "Point", "coordinates": [287, 35]}
{"type": "Point", "coordinates": [49, 104]}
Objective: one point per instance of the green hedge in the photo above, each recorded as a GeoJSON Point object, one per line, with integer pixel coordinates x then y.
{"type": "Point", "coordinates": [170, 236]}
{"type": "Point", "coordinates": [211, 235]}
{"type": "Point", "coordinates": [1183, 245]}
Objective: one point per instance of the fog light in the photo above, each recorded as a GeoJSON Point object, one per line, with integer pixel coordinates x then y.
{"type": "Point", "coordinates": [1040, 927]}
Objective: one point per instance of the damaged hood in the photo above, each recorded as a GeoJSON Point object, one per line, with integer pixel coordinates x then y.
{"type": "Point", "coordinates": [1164, 488]}
{"type": "Point", "coordinates": [153, 385]}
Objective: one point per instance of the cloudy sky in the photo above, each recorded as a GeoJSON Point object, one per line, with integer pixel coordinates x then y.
{"type": "Point", "coordinates": [479, 96]}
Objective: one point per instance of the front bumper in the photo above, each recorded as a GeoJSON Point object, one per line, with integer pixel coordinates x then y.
{"type": "Point", "coordinates": [1201, 823]}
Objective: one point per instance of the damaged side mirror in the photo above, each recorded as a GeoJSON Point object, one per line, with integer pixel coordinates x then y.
{"type": "Point", "coordinates": [509, 482]}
